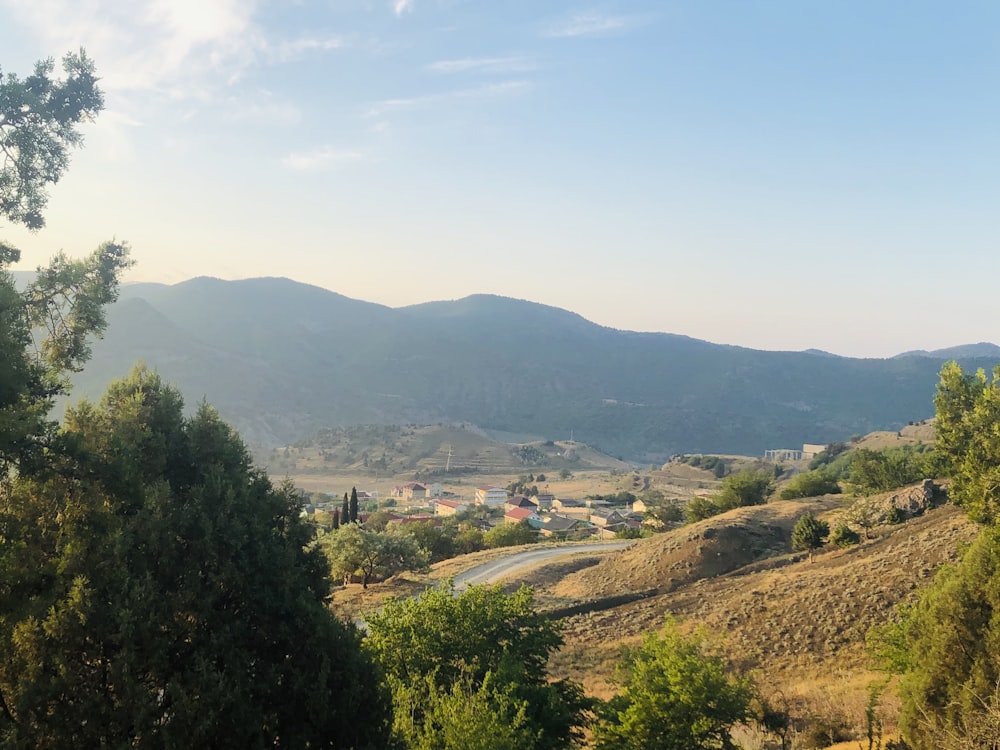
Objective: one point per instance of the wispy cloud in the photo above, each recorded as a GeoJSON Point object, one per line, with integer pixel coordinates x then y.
{"type": "Point", "coordinates": [319, 159]}
{"type": "Point", "coordinates": [482, 65]}
{"type": "Point", "coordinates": [592, 24]}
{"type": "Point", "coordinates": [180, 48]}
{"type": "Point", "coordinates": [399, 7]}
{"type": "Point", "coordinates": [494, 89]}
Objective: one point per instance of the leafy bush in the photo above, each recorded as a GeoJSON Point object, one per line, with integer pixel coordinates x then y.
{"type": "Point", "coordinates": [844, 536]}
{"type": "Point", "coordinates": [810, 484]}
{"type": "Point", "coordinates": [809, 533]}
{"type": "Point", "coordinates": [750, 487]}
{"type": "Point", "coordinates": [676, 695]}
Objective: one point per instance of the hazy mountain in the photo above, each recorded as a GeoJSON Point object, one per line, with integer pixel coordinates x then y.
{"type": "Point", "coordinates": [281, 359]}
{"type": "Point", "coordinates": [982, 350]}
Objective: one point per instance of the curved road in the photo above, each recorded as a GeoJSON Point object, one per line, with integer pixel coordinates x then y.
{"type": "Point", "coordinates": [497, 569]}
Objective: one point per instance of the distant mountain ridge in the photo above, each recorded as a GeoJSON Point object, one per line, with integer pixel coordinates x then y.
{"type": "Point", "coordinates": [282, 359]}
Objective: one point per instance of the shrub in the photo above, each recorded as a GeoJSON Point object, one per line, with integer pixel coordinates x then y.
{"type": "Point", "coordinates": [845, 536]}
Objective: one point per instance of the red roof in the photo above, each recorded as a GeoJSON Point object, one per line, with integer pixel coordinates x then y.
{"type": "Point", "coordinates": [518, 514]}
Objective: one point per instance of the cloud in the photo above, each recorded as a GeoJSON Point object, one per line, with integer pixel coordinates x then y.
{"type": "Point", "coordinates": [493, 89]}
{"type": "Point", "coordinates": [148, 44]}
{"type": "Point", "coordinates": [319, 159]}
{"type": "Point", "coordinates": [183, 49]}
{"type": "Point", "coordinates": [399, 7]}
{"type": "Point", "coordinates": [482, 65]}
{"type": "Point", "coordinates": [592, 24]}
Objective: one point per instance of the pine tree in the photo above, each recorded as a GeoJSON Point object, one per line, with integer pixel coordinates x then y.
{"type": "Point", "coordinates": [345, 511]}
{"type": "Point", "coordinates": [335, 518]}
{"type": "Point", "coordinates": [354, 505]}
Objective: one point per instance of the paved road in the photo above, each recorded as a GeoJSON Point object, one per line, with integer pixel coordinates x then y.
{"type": "Point", "coordinates": [506, 566]}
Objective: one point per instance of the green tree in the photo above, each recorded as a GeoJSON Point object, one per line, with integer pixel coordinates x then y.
{"type": "Point", "coordinates": [676, 695]}
{"type": "Point", "coordinates": [352, 550]}
{"type": "Point", "coordinates": [844, 536]}
{"type": "Point", "coordinates": [510, 535]}
{"type": "Point", "coordinates": [345, 510]}
{"type": "Point", "coordinates": [700, 508]}
{"type": "Point", "coordinates": [748, 487]}
{"type": "Point", "coordinates": [945, 646]}
{"type": "Point", "coordinates": [38, 127]}
{"type": "Point", "coordinates": [879, 471]}
{"type": "Point", "coordinates": [436, 542]}
{"type": "Point", "coordinates": [810, 484]}
{"type": "Point", "coordinates": [481, 642]}
{"type": "Point", "coordinates": [967, 419]}
{"type": "Point", "coordinates": [159, 591]}
{"type": "Point", "coordinates": [809, 533]}
{"type": "Point", "coordinates": [354, 505]}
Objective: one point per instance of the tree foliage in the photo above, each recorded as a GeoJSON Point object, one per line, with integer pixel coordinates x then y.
{"type": "Point", "coordinates": [159, 591]}
{"type": "Point", "coordinates": [38, 126]}
{"type": "Point", "coordinates": [484, 644]}
{"type": "Point", "coordinates": [510, 535]}
{"type": "Point", "coordinates": [748, 487]}
{"type": "Point", "coordinates": [353, 550]}
{"type": "Point", "coordinates": [809, 533]}
{"type": "Point", "coordinates": [810, 484]}
{"type": "Point", "coordinates": [968, 439]}
{"type": "Point", "coordinates": [947, 647]}
{"type": "Point", "coordinates": [880, 471]}
{"type": "Point", "coordinates": [676, 695]}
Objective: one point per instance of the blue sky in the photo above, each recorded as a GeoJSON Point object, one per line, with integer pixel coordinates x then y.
{"type": "Point", "coordinates": [780, 175]}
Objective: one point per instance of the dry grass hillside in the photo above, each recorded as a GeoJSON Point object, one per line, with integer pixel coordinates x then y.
{"type": "Point", "coordinates": [799, 625]}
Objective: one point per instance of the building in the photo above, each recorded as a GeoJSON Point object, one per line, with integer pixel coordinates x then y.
{"type": "Point", "coordinates": [520, 501]}
{"type": "Point", "coordinates": [491, 497]}
{"type": "Point", "coordinates": [604, 517]}
{"type": "Point", "coordinates": [516, 515]}
{"type": "Point", "coordinates": [449, 507]}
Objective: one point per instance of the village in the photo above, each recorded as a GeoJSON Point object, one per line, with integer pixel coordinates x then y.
{"type": "Point", "coordinates": [557, 518]}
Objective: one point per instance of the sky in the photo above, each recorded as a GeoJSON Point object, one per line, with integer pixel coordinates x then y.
{"type": "Point", "coordinates": [778, 175]}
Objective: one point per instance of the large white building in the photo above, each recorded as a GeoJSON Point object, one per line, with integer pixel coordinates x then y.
{"type": "Point", "coordinates": [491, 496]}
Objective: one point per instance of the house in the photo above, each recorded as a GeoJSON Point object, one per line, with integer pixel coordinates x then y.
{"type": "Point", "coordinates": [571, 507]}
{"type": "Point", "coordinates": [520, 501]}
{"type": "Point", "coordinates": [434, 489]}
{"type": "Point", "coordinates": [605, 518]}
{"type": "Point", "coordinates": [449, 507]}
{"type": "Point", "coordinates": [639, 506]}
{"type": "Point", "coordinates": [491, 496]}
{"type": "Point", "coordinates": [516, 515]}
{"type": "Point", "coordinates": [564, 527]}
{"type": "Point", "coordinates": [544, 499]}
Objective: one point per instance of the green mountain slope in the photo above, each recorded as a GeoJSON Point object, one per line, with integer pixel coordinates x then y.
{"type": "Point", "coordinates": [282, 359]}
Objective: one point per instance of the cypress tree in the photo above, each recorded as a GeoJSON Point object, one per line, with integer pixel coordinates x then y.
{"type": "Point", "coordinates": [354, 505]}
{"type": "Point", "coordinates": [335, 517]}
{"type": "Point", "coordinates": [345, 511]}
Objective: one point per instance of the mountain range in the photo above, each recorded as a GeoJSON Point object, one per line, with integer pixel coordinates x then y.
{"type": "Point", "coordinates": [282, 359]}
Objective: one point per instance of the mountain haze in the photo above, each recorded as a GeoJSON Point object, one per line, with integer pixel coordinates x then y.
{"type": "Point", "coordinates": [281, 359]}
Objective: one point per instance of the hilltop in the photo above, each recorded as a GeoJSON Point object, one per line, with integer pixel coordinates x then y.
{"type": "Point", "coordinates": [282, 360]}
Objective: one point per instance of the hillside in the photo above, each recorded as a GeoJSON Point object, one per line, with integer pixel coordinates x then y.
{"type": "Point", "coordinates": [282, 360]}
{"type": "Point", "coordinates": [435, 450]}
{"type": "Point", "coordinates": [799, 625]}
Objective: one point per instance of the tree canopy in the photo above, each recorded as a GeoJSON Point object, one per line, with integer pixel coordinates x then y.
{"type": "Point", "coordinates": [38, 126]}
{"type": "Point", "coordinates": [966, 424]}
{"type": "Point", "coordinates": [158, 590]}
{"type": "Point", "coordinates": [481, 646]}
{"type": "Point", "coordinates": [676, 695]}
